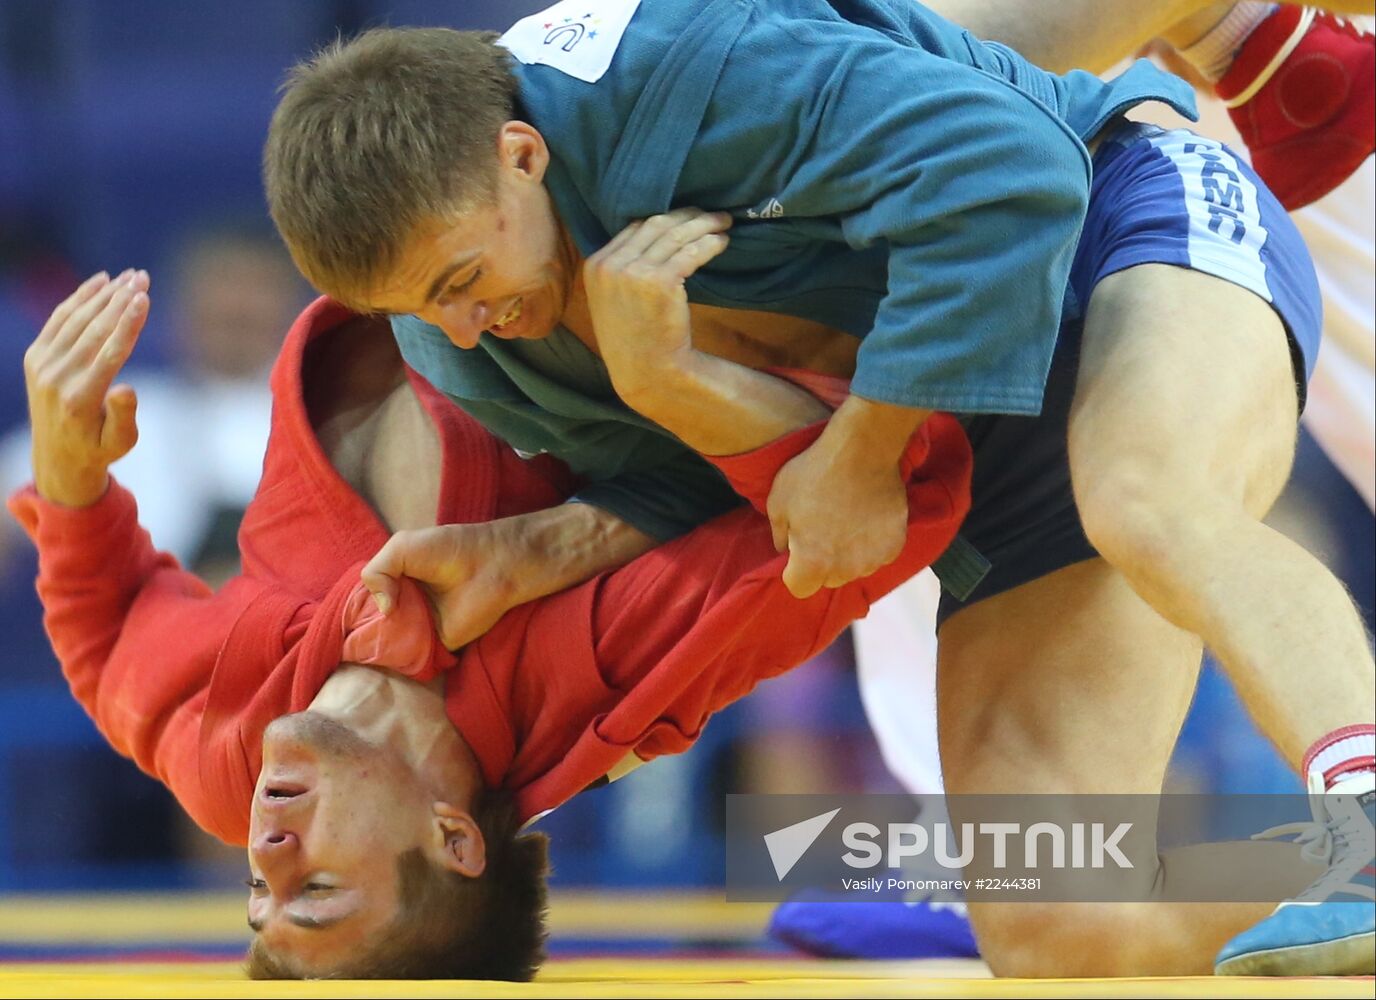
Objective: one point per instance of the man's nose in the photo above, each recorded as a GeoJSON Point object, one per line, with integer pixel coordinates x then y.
{"type": "Point", "coordinates": [463, 322]}
{"type": "Point", "coordinates": [274, 853]}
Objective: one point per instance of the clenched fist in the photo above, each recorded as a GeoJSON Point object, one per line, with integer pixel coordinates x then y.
{"type": "Point", "coordinates": [636, 296]}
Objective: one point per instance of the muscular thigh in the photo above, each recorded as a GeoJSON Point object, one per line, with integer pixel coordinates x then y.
{"type": "Point", "coordinates": [1183, 382]}
{"type": "Point", "coordinates": [1202, 325]}
{"type": "Point", "coordinates": [1188, 376]}
{"type": "Point", "coordinates": [1070, 683]}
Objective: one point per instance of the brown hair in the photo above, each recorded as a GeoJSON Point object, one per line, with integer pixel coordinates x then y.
{"type": "Point", "coordinates": [376, 135]}
{"type": "Point", "coordinates": [451, 926]}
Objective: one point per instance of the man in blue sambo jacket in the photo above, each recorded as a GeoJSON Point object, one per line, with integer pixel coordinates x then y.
{"type": "Point", "coordinates": [1110, 307]}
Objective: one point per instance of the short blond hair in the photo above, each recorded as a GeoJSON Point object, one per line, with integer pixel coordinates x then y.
{"type": "Point", "coordinates": [377, 135]}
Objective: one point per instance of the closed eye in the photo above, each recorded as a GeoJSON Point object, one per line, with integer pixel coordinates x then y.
{"type": "Point", "coordinates": [459, 289]}
{"type": "Point", "coordinates": [317, 888]}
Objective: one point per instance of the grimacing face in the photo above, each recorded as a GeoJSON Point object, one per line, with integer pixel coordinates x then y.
{"type": "Point", "coordinates": [504, 268]}
{"type": "Point", "coordinates": [331, 815]}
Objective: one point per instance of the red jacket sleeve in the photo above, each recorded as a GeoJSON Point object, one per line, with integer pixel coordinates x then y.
{"type": "Point", "coordinates": [137, 637]}
{"type": "Point", "coordinates": [720, 599]}
{"type": "Point", "coordinates": [695, 624]}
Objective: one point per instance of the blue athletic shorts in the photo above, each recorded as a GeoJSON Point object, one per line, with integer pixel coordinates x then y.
{"type": "Point", "coordinates": [1163, 197]}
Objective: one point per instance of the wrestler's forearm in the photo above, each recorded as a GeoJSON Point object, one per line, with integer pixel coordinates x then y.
{"type": "Point", "coordinates": [718, 407]}
{"type": "Point", "coordinates": [74, 487]}
{"type": "Point", "coordinates": [476, 573]}
{"type": "Point", "coordinates": [871, 431]}
{"type": "Point", "coordinates": [568, 544]}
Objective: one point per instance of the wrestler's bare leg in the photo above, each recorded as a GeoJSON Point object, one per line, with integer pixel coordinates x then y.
{"type": "Point", "coordinates": [1181, 438]}
{"type": "Point", "coordinates": [1091, 34]}
{"type": "Point", "coordinates": [1035, 689]}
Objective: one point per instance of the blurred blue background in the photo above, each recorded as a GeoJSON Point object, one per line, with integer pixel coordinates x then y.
{"type": "Point", "coordinates": [130, 133]}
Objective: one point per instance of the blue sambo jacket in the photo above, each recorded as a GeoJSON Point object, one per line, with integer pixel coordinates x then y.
{"type": "Point", "coordinates": [890, 175]}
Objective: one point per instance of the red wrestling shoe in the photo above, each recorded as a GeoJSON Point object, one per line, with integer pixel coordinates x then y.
{"type": "Point", "coordinates": [1302, 91]}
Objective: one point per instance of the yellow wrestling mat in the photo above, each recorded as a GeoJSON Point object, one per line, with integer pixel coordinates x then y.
{"type": "Point", "coordinates": [632, 977]}
{"type": "Point", "coordinates": [181, 922]}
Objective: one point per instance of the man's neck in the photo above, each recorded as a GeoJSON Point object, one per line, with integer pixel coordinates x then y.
{"type": "Point", "coordinates": [389, 710]}
{"type": "Point", "coordinates": [575, 318]}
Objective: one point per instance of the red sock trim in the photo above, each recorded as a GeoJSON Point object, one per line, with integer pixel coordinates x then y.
{"type": "Point", "coordinates": [1324, 742]}
{"type": "Point", "coordinates": [1354, 766]}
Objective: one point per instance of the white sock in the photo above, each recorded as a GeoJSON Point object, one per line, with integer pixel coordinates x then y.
{"type": "Point", "coordinates": [1213, 54]}
{"type": "Point", "coordinates": [1355, 783]}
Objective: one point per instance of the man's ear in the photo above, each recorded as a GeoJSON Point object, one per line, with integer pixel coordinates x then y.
{"type": "Point", "coordinates": [458, 843]}
{"type": "Point", "coordinates": [521, 149]}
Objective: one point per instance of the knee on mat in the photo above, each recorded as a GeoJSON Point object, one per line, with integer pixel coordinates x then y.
{"type": "Point", "coordinates": [1054, 941]}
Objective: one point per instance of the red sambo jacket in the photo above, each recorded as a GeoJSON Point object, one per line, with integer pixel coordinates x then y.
{"type": "Point", "coordinates": [555, 697]}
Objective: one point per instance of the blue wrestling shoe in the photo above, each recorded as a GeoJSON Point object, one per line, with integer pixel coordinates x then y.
{"type": "Point", "coordinates": [925, 928]}
{"type": "Point", "coordinates": [1330, 928]}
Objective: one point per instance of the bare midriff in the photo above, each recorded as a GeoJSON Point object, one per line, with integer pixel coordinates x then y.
{"type": "Point", "coordinates": [772, 340]}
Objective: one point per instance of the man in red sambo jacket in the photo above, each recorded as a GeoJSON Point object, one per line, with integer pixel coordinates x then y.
{"type": "Point", "coordinates": [381, 806]}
